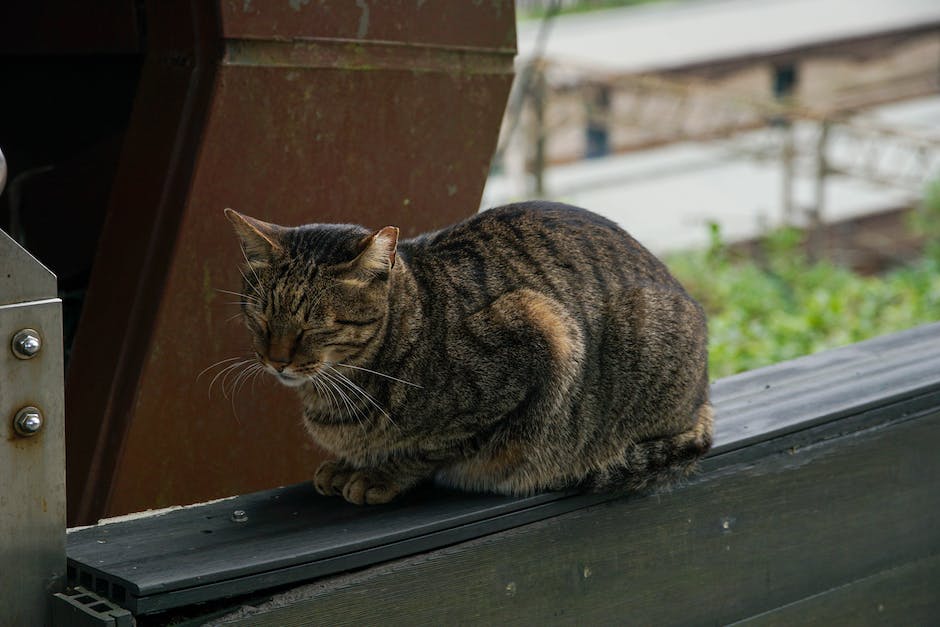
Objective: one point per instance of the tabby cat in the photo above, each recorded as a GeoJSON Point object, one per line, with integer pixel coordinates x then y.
{"type": "Point", "coordinates": [535, 346]}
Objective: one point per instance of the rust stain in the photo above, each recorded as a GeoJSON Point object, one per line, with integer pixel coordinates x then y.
{"type": "Point", "coordinates": [297, 5]}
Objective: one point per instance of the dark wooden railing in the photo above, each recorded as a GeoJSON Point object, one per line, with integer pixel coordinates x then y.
{"type": "Point", "coordinates": [819, 501]}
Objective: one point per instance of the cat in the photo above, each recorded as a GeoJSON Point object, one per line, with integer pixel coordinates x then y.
{"type": "Point", "coordinates": [531, 347]}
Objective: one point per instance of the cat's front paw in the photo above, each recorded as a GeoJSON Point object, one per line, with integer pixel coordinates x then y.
{"type": "Point", "coordinates": [370, 487]}
{"type": "Point", "coordinates": [331, 476]}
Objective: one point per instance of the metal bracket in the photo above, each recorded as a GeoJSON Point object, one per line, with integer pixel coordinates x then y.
{"type": "Point", "coordinates": [83, 608]}
{"type": "Point", "coordinates": [32, 436]}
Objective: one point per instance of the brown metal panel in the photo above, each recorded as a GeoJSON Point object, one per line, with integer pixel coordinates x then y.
{"type": "Point", "coordinates": [135, 246]}
{"type": "Point", "coordinates": [449, 23]}
{"type": "Point", "coordinates": [319, 130]}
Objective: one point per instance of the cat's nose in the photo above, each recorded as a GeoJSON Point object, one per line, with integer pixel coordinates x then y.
{"type": "Point", "coordinates": [280, 353]}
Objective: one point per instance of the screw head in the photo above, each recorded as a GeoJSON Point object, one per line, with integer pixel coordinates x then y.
{"type": "Point", "coordinates": [28, 421]}
{"type": "Point", "coordinates": [26, 343]}
{"type": "Point", "coordinates": [239, 516]}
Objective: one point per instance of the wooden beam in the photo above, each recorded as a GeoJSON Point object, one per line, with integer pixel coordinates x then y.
{"type": "Point", "coordinates": [745, 541]}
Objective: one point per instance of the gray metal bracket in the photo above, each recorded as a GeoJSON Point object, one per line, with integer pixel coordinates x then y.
{"type": "Point", "coordinates": [83, 608]}
{"type": "Point", "coordinates": [32, 437]}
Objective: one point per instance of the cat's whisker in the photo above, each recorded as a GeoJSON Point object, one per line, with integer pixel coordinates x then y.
{"type": "Point", "coordinates": [259, 371]}
{"type": "Point", "coordinates": [217, 375]}
{"type": "Point", "coordinates": [254, 288]}
{"type": "Point", "coordinates": [242, 376]}
{"type": "Point", "coordinates": [231, 371]}
{"type": "Point", "coordinates": [235, 412]}
{"type": "Point", "coordinates": [221, 361]}
{"type": "Point", "coordinates": [235, 317]}
{"type": "Point", "coordinates": [250, 267]}
{"type": "Point", "coordinates": [355, 410]}
{"type": "Point", "coordinates": [319, 386]}
{"type": "Point", "coordinates": [358, 390]}
{"type": "Point", "coordinates": [330, 388]}
{"type": "Point", "coordinates": [381, 374]}
{"type": "Point", "coordinates": [241, 379]}
{"type": "Point", "coordinates": [256, 370]}
{"type": "Point", "coordinates": [333, 401]}
{"type": "Point", "coordinates": [239, 361]}
{"type": "Point", "coordinates": [227, 388]}
{"type": "Point", "coordinates": [347, 401]}
{"type": "Point", "coordinates": [254, 299]}
{"type": "Point", "coordinates": [349, 384]}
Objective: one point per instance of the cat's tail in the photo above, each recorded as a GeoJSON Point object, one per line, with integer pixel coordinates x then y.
{"type": "Point", "coordinates": [658, 462]}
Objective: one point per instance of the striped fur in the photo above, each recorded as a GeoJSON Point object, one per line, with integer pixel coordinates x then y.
{"type": "Point", "coordinates": [531, 347]}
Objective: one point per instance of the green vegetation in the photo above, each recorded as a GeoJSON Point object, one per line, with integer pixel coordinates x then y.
{"type": "Point", "coordinates": [786, 306]}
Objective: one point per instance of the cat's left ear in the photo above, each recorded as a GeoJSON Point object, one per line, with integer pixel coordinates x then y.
{"type": "Point", "coordinates": [379, 251]}
{"type": "Point", "coordinates": [260, 239]}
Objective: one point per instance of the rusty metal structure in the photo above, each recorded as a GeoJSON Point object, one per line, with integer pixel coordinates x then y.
{"type": "Point", "coordinates": [369, 112]}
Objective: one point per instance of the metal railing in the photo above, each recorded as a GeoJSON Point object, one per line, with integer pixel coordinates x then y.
{"type": "Point", "coordinates": [637, 112]}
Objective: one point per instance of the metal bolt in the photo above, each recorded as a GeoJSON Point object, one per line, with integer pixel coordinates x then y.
{"type": "Point", "coordinates": [26, 343]}
{"type": "Point", "coordinates": [27, 421]}
{"type": "Point", "coordinates": [239, 516]}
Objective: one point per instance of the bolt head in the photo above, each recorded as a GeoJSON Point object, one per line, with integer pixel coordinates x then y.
{"type": "Point", "coordinates": [27, 343]}
{"type": "Point", "coordinates": [239, 516]}
{"type": "Point", "coordinates": [27, 421]}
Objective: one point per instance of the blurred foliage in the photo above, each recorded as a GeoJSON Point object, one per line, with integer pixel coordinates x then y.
{"type": "Point", "coordinates": [781, 306]}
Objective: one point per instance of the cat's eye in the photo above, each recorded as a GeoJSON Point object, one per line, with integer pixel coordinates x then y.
{"type": "Point", "coordinates": [357, 323]}
{"type": "Point", "coordinates": [303, 333]}
{"type": "Point", "coordinates": [312, 332]}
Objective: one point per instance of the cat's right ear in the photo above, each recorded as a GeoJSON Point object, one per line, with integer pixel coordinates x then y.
{"type": "Point", "coordinates": [260, 240]}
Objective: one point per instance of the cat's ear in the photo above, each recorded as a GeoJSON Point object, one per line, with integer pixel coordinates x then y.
{"type": "Point", "coordinates": [259, 239]}
{"type": "Point", "coordinates": [378, 252]}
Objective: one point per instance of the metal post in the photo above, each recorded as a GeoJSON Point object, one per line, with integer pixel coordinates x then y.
{"type": "Point", "coordinates": [597, 108]}
{"type": "Point", "coordinates": [32, 437]}
{"type": "Point", "coordinates": [822, 166]}
{"type": "Point", "coordinates": [538, 107]}
{"type": "Point", "coordinates": [787, 156]}
{"type": "Point", "coordinates": [785, 81]}
{"type": "Point", "coordinates": [815, 215]}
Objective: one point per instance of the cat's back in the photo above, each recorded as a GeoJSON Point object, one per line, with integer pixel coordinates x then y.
{"type": "Point", "coordinates": [540, 238]}
{"type": "Point", "coordinates": [530, 221]}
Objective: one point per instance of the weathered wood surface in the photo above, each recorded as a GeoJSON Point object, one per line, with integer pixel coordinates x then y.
{"type": "Point", "coordinates": [801, 535]}
{"type": "Point", "coordinates": [904, 595]}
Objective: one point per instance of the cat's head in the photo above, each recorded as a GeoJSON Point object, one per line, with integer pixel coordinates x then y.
{"type": "Point", "coordinates": [313, 294]}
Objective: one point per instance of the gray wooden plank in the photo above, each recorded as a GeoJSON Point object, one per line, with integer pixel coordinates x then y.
{"type": "Point", "coordinates": [284, 527]}
{"type": "Point", "coordinates": [885, 348]}
{"type": "Point", "coordinates": [734, 544]}
{"type": "Point", "coordinates": [796, 394]}
{"type": "Point", "coordinates": [903, 595]}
